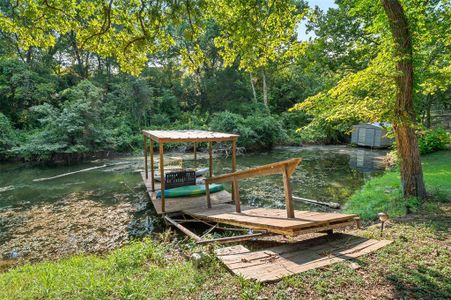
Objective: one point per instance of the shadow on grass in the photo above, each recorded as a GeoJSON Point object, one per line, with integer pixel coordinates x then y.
{"type": "Point", "coordinates": [421, 283]}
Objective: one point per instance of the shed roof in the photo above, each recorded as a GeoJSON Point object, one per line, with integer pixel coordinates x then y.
{"type": "Point", "coordinates": [174, 136]}
{"type": "Point", "coordinates": [376, 124]}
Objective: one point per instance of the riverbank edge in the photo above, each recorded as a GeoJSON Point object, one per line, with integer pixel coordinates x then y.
{"type": "Point", "coordinates": [414, 266]}
{"type": "Point", "coordinates": [383, 193]}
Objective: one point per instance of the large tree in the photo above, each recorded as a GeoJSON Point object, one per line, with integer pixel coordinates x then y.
{"type": "Point", "coordinates": [252, 33]}
{"type": "Point", "coordinates": [404, 115]}
{"type": "Point", "coordinates": [384, 89]}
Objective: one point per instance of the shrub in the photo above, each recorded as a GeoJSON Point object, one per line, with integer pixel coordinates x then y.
{"type": "Point", "coordinates": [78, 126]}
{"type": "Point", "coordinates": [320, 131]}
{"type": "Point", "coordinates": [7, 135]}
{"type": "Point", "coordinates": [433, 140]}
{"type": "Point", "coordinates": [259, 131]}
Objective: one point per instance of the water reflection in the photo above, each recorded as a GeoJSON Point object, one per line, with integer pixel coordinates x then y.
{"type": "Point", "coordinates": [366, 161]}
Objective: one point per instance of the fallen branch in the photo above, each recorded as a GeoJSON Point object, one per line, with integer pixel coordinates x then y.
{"type": "Point", "coordinates": [329, 204]}
{"type": "Point", "coordinates": [70, 173]}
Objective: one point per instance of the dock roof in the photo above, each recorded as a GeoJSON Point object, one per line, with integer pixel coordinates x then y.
{"type": "Point", "coordinates": [175, 136]}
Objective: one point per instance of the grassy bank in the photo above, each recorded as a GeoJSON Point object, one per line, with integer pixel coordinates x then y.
{"type": "Point", "coordinates": [415, 265]}
{"type": "Point", "coordinates": [383, 194]}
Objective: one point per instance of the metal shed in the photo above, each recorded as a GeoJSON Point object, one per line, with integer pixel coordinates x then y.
{"type": "Point", "coordinates": [371, 135]}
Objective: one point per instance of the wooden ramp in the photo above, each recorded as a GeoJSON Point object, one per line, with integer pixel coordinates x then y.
{"type": "Point", "coordinates": [275, 263]}
{"type": "Point", "coordinates": [181, 203]}
{"type": "Point", "coordinates": [272, 220]}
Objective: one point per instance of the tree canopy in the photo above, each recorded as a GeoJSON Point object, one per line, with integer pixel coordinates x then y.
{"type": "Point", "coordinates": [254, 31]}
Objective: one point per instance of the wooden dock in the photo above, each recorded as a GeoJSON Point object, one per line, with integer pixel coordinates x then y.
{"type": "Point", "coordinates": [262, 219]}
{"type": "Point", "coordinates": [223, 211]}
{"type": "Point", "coordinates": [271, 219]}
{"type": "Point", "coordinates": [181, 203]}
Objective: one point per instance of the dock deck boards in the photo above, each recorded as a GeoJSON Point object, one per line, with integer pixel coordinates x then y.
{"type": "Point", "coordinates": [265, 219]}
{"type": "Point", "coordinates": [270, 219]}
{"type": "Point", "coordinates": [274, 263]}
{"type": "Point", "coordinates": [181, 203]}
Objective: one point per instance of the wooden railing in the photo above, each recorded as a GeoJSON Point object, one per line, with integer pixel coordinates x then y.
{"type": "Point", "coordinates": [286, 168]}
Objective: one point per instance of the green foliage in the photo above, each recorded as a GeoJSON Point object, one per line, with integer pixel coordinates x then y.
{"type": "Point", "coordinates": [254, 32]}
{"type": "Point", "coordinates": [136, 271]}
{"type": "Point", "coordinates": [7, 135]}
{"type": "Point", "coordinates": [194, 62]}
{"type": "Point", "coordinates": [259, 131]}
{"type": "Point", "coordinates": [78, 126]}
{"type": "Point", "coordinates": [22, 86]}
{"type": "Point", "coordinates": [433, 140]}
{"type": "Point", "coordinates": [324, 132]}
{"type": "Point", "coordinates": [355, 43]}
{"type": "Point", "coordinates": [383, 194]}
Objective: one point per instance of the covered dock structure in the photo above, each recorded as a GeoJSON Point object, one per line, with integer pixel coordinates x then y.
{"type": "Point", "coordinates": [224, 208]}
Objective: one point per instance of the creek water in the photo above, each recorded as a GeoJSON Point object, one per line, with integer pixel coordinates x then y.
{"type": "Point", "coordinates": [100, 209]}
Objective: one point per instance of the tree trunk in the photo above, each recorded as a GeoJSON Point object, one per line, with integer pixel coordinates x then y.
{"type": "Point", "coordinates": [265, 89]}
{"type": "Point", "coordinates": [428, 111]}
{"type": "Point", "coordinates": [254, 93]}
{"type": "Point", "coordinates": [404, 122]}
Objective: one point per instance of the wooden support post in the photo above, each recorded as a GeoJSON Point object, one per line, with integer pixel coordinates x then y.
{"type": "Point", "coordinates": [195, 153]}
{"type": "Point", "coordinates": [288, 193]}
{"type": "Point", "coordinates": [152, 171]}
{"type": "Point", "coordinates": [210, 158]}
{"type": "Point", "coordinates": [358, 222]}
{"type": "Point", "coordinates": [207, 194]}
{"type": "Point", "coordinates": [233, 156]}
{"type": "Point", "coordinates": [145, 156]}
{"type": "Point", "coordinates": [162, 177]}
{"type": "Point", "coordinates": [236, 195]}
{"type": "Point", "coordinates": [233, 166]}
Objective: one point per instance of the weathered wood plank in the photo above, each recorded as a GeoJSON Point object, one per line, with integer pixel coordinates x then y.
{"type": "Point", "coordinates": [175, 136]}
{"type": "Point", "coordinates": [273, 220]}
{"type": "Point", "coordinates": [161, 163]}
{"type": "Point", "coordinates": [269, 169]}
{"type": "Point", "coordinates": [277, 262]}
{"type": "Point", "coordinates": [183, 229]}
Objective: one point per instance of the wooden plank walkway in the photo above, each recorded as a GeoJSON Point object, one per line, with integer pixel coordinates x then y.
{"type": "Point", "coordinates": [182, 203]}
{"type": "Point", "coordinates": [275, 263]}
{"type": "Point", "coordinates": [272, 220]}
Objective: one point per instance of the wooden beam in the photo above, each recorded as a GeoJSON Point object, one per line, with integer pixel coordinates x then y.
{"type": "Point", "coordinates": [162, 177]}
{"type": "Point", "coordinates": [184, 229]}
{"type": "Point", "coordinates": [145, 157]}
{"type": "Point", "coordinates": [236, 238]}
{"type": "Point", "coordinates": [207, 194]}
{"type": "Point", "coordinates": [195, 153]}
{"type": "Point", "coordinates": [152, 171]}
{"type": "Point", "coordinates": [236, 195]}
{"type": "Point", "coordinates": [234, 156]}
{"type": "Point", "coordinates": [269, 169]}
{"type": "Point", "coordinates": [329, 204]}
{"type": "Point", "coordinates": [233, 166]}
{"type": "Point", "coordinates": [210, 158]}
{"type": "Point", "coordinates": [288, 193]}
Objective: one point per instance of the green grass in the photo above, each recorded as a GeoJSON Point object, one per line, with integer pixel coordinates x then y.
{"type": "Point", "coordinates": [137, 271]}
{"type": "Point", "coordinates": [415, 266]}
{"type": "Point", "coordinates": [383, 194]}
